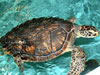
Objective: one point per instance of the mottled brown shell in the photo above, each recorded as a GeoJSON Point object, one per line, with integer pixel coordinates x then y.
{"type": "Point", "coordinates": [39, 39]}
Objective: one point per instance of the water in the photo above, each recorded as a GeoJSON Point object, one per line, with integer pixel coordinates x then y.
{"type": "Point", "coordinates": [15, 12]}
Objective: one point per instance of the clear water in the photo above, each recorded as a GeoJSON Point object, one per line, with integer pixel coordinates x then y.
{"type": "Point", "coordinates": [15, 12]}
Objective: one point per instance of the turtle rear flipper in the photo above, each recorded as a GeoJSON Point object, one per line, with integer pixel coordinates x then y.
{"type": "Point", "coordinates": [19, 63]}
{"type": "Point", "coordinates": [77, 61]}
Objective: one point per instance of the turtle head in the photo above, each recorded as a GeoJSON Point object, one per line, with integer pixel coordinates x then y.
{"type": "Point", "coordinates": [87, 31]}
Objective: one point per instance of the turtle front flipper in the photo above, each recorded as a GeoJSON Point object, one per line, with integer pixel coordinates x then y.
{"type": "Point", "coordinates": [19, 63]}
{"type": "Point", "coordinates": [72, 19]}
{"type": "Point", "coordinates": [77, 61]}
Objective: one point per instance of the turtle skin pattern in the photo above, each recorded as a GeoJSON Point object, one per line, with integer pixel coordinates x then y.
{"type": "Point", "coordinates": [39, 39]}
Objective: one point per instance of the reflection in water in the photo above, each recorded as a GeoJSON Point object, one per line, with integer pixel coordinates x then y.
{"type": "Point", "coordinates": [90, 65]}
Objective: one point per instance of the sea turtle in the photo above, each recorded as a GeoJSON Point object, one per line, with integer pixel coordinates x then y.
{"type": "Point", "coordinates": [42, 39]}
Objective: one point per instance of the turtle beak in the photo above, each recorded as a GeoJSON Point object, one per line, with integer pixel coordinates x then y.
{"type": "Point", "coordinates": [97, 33]}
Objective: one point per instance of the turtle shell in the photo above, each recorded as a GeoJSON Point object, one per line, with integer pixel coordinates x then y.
{"type": "Point", "coordinates": [38, 39]}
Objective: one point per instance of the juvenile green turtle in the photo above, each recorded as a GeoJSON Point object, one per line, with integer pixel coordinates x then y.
{"type": "Point", "coordinates": [42, 39]}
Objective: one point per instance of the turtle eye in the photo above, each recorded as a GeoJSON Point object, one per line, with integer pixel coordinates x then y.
{"type": "Point", "coordinates": [90, 33]}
